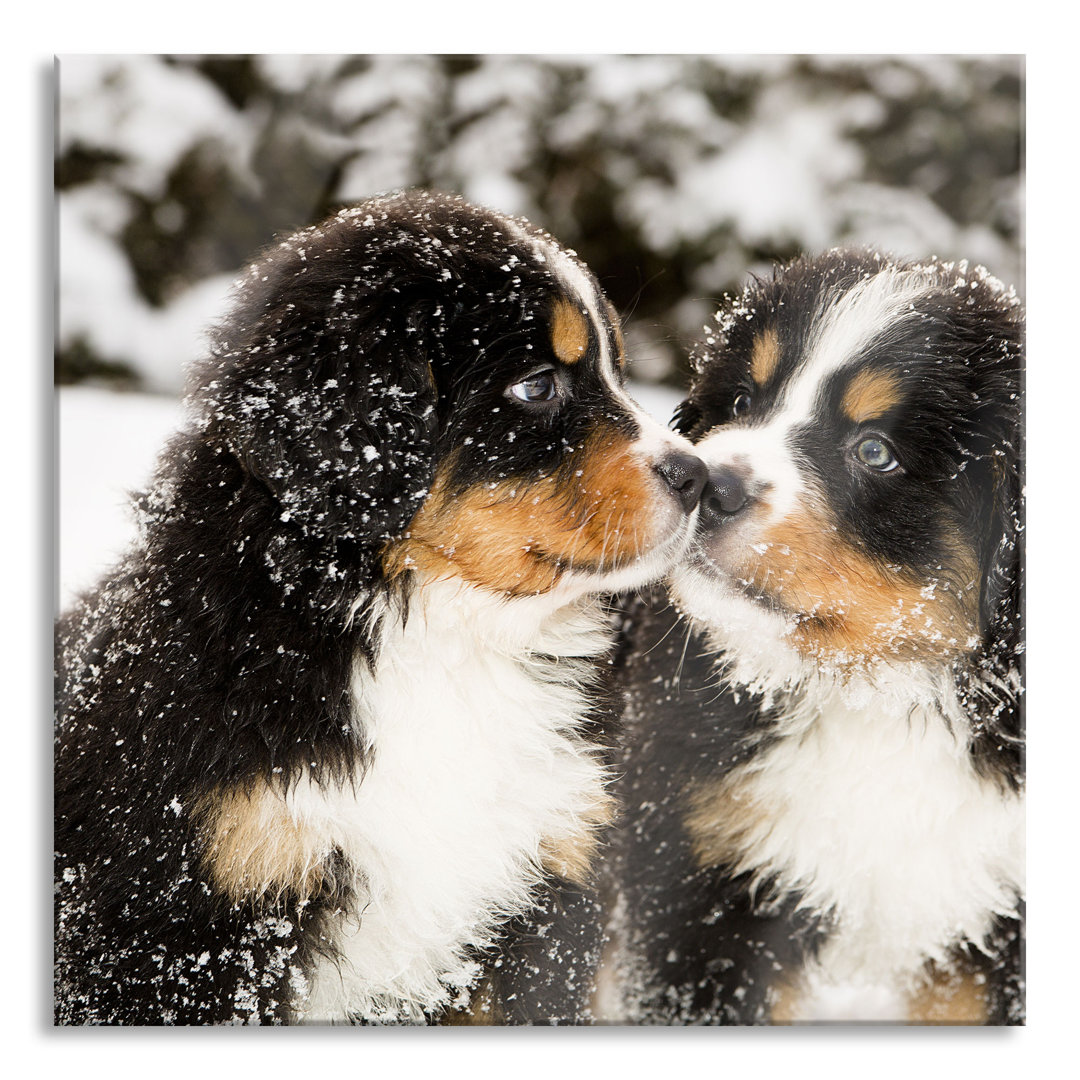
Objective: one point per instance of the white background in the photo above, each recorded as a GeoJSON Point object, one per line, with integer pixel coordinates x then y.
{"type": "Point", "coordinates": [1047, 1045]}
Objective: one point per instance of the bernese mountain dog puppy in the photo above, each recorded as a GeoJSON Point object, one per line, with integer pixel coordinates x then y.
{"type": "Point", "coordinates": [822, 769]}
{"type": "Point", "coordinates": [328, 746]}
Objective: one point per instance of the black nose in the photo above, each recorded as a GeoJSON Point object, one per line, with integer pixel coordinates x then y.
{"type": "Point", "coordinates": [685, 475]}
{"type": "Point", "coordinates": [724, 496]}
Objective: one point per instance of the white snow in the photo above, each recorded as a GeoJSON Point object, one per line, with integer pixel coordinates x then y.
{"type": "Point", "coordinates": [789, 173]}
{"type": "Point", "coordinates": [99, 300]}
{"type": "Point", "coordinates": [150, 112]}
{"type": "Point", "coordinates": [107, 445]}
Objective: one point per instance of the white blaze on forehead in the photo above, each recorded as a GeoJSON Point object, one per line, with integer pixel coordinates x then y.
{"type": "Point", "coordinates": [846, 324]}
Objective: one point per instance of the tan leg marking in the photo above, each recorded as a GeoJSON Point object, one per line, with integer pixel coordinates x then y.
{"type": "Point", "coordinates": [483, 1009]}
{"type": "Point", "coordinates": [571, 856]}
{"type": "Point", "coordinates": [948, 997]}
{"type": "Point", "coordinates": [786, 997]}
{"type": "Point", "coordinates": [725, 821]}
{"type": "Point", "coordinates": [255, 849]}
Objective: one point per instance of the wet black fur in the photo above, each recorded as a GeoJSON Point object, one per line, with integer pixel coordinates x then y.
{"type": "Point", "coordinates": [358, 355]}
{"type": "Point", "coordinates": [704, 948]}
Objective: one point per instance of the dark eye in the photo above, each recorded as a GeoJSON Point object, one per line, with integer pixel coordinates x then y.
{"type": "Point", "coordinates": [876, 454]}
{"type": "Point", "coordinates": [538, 387]}
{"type": "Point", "coordinates": [741, 405]}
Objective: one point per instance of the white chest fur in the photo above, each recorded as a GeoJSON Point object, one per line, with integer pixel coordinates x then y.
{"type": "Point", "coordinates": [875, 814]}
{"type": "Point", "coordinates": [476, 762]}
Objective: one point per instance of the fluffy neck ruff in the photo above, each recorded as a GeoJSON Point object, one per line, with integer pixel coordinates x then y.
{"type": "Point", "coordinates": [862, 798]}
{"type": "Point", "coordinates": [478, 780]}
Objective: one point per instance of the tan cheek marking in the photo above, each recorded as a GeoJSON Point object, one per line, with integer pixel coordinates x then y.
{"type": "Point", "coordinates": [488, 536]}
{"type": "Point", "coordinates": [255, 849]}
{"type": "Point", "coordinates": [855, 606]}
{"type": "Point", "coordinates": [620, 492]}
{"type": "Point", "coordinates": [764, 357]}
{"type": "Point", "coordinates": [519, 538]}
{"type": "Point", "coordinates": [949, 997]}
{"type": "Point", "coordinates": [569, 332]}
{"type": "Point", "coordinates": [870, 394]}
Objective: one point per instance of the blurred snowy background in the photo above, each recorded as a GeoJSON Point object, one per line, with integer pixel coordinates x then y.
{"type": "Point", "coordinates": [673, 176]}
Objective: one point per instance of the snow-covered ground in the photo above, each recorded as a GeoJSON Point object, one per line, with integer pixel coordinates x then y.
{"type": "Point", "coordinates": [108, 443]}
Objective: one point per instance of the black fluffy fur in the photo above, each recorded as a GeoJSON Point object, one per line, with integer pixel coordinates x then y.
{"type": "Point", "coordinates": [219, 653]}
{"type": "Point", "coordinates": [700, 945]}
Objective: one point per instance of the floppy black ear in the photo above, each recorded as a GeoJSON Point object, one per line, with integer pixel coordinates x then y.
{"type": "Point", "coordinates": [991, 684]}
{"type": "Point", "coordinates": [686, 416]}
{"type": "Point", "coordinates": [1002, 554]}
{"type": "Point", "coordinates": [322, 388]}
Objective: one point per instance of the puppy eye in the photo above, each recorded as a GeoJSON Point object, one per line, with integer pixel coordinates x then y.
{"type": "Point", "coordinates": [741, 405]}
{"type": "Point", "coordinates": [538, 387]}
{"type": "Point", "coordinates": [876, 454]}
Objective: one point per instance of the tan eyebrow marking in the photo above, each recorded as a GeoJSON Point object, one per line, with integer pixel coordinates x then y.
{"type": "Point", "coordinates": [870, 394]}
{"type": "Point", "coordinates": [765, 356]}
{"type": "Point", "coordinates": [569, 332]}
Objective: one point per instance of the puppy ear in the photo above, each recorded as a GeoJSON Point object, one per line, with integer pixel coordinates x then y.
{"type": "Point", "coordinates": [322, 388]}
{"type": "Point", "coordinates": [991, 683]}
{"type": "Point", "coordinates": [687, 414]}
{"type": "Point", "coordinates": [1001, 562]}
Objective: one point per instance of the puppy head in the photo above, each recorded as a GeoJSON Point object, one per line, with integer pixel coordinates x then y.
{"type": "Point", "coordinates": [430, 389]}
{"type": "Point", "coordinates": [860, 420]}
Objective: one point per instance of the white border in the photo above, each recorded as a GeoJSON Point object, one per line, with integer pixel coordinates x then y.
{"type": "Point", "coordinates": [557, 27]}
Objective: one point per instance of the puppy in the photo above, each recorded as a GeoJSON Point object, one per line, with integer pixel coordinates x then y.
{"type": "Point", "coordinates": [326, 737]}
{"type": "Point", "coordinates": [822, 768]}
